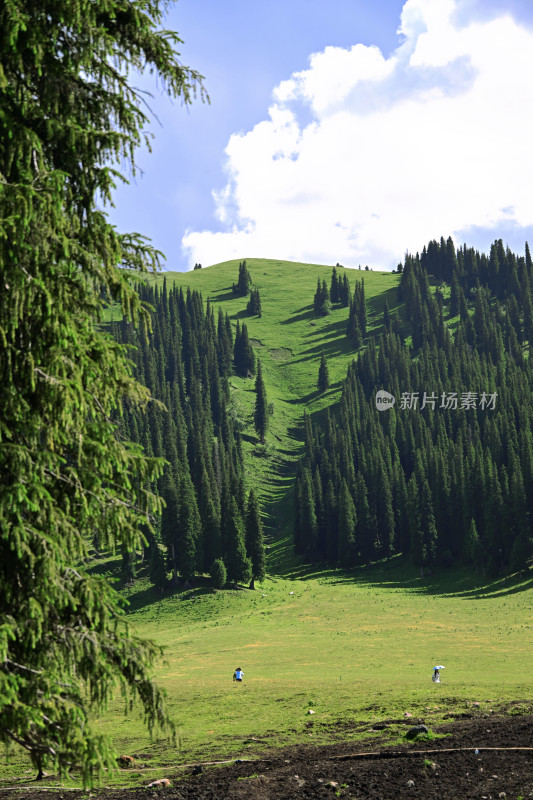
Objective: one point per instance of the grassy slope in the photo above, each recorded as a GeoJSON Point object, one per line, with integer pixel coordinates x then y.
{"type": "Point", "coordinates": [288, 339]}
{"type": "Point", "coordinates": [357, 646]}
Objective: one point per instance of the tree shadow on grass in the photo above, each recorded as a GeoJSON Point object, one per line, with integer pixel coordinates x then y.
{"type": "Point", "coordinates": [398, 573]}
{"type": "Point", "coordinates": [149, 595]}
{"type": "Point", "coordinates": [306, 398]}
{"type": "Point", "coordinates": [335, 328]}
{"type": "Point", "coordinates": [376, 304]}
{"type": "Point", "coordinates": [223, 294]}
{"type": "Point", "coordinates": [298, 317]}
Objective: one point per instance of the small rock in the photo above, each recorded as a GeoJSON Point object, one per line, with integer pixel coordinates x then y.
{"type": "Point", "coordinates": [415, 731]}
{"type": "Point", "coordinates": [332, 784]}
{"type": "Point", "coordinates": [161, 783]}
{"type": "Point", "coordinates": [197, 770]}
{"type": "Point", "coordinates": [502, 795]}
{"type": "Point", "coordinates": [407, 714]}
{"type": "Point", "coordinates": [310, 711]}
{"type": "Point", "coordinates": [410, 784]}
{"type": "Point", "coordinates": [126, 761]}
{"type": "Point", "coordinates": [299, 781]}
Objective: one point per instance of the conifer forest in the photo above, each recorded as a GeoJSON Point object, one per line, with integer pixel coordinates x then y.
{"type": "Point", "coordinates": [447, 474]}
{"type": "Point", "coordinates": [443, 477]}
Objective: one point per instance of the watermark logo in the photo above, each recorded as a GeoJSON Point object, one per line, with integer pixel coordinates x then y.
{"type": "Point", "coordinates": [384, 400]}
{"type": "Point", "coordinates": [466, 401]}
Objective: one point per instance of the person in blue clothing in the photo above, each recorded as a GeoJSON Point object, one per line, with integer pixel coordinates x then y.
{"type": "Point", "coordinates": [238, 675]}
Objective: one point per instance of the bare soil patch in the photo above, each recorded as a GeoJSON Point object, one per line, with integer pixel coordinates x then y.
{"type": "Point", "coordinates": [445, 769]}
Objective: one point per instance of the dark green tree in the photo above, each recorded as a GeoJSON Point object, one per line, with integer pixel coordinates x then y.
{"type": "Point", "coordinates": [189, 527]}
{"type": "Point", "coordinates": [261, 406]}
{"type": "Point", "coordinates": [309, 525]}
{"type": "Point", "coordinates": [156, 567]}
{"type": "Point", "coordinates": [239, 568]}
{"type": "Point", "coordinates": [323, 374]}
{"type": "Point", "coordinates": [345, 293]}
{"type": "Point", "coordinates": [347, 527]}
{"type": "Point", "coordinates": [254, 304]}
{"type": "Point", "coordinates": [255, 546]}
{"type": "Point", "coordinates": [334, 288]}
{"type": "Point", "coordinates": [67, 116]}
{"type": "Point", "coordinates": [243, 353]}
{"type": "Point", "coordinates": [322, 302]}
{"type": "Point", "coordinates": [244, 282]}
{"type": "Point", "coordinates": [473, 547]}
{"type": "Point", "coordinates": [218, 573]}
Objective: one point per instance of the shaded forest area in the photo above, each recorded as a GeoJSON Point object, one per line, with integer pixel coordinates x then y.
{"type": "Point", "coordinates": [445, 475]}
{"type": "Point", "coordinates": [209, 523]}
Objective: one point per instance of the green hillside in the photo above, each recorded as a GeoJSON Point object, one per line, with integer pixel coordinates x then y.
{"type": "Point", "coordinates": [355, 647]}
{"type": "Point", "coordinates": [289, 339]}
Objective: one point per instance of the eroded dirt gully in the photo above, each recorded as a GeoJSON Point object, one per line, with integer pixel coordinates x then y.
{"type": "Point", "coordinates": [442, 769]}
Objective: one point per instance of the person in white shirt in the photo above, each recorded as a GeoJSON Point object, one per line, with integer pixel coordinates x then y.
{"type": "Point", "coordinates": [238, 675]}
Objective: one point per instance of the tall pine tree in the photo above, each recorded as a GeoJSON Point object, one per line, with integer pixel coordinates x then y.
{"type": "Point", "coordinates": [261, 406]}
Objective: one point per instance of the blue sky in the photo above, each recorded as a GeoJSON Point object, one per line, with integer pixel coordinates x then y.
{"type": "Point", "coordinates": [346, 130]}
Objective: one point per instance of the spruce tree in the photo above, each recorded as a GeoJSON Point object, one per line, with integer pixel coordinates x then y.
{"type": "Point", "coordinates": [244, 281]}
{"type": "Point", "coordinates": [238, 351]}
{"type": "Point", "coordinates": [156, 566]}
{"type": "Point", "coordinates": [254, 304]}
{"type": "Point", "coordinates": [334, 288]}
{"type": "Point", "coordinates": [243, 353]}
{"type": "Point", "coordinates": [323, 374]}
{"type": "Point", "coordinates": [255, 547]}
{"type": "Point", "coordinates": [189, 527]}
{"type": "Point", "coordinates": [473, 547]}
{"type": "Point", "coordinates": [218, 573]}
{"type": "Point", "coordinates": [261, 406]}
{"type": "Point", "coordinates": [309, 525]}
{"type": "Point", "coordinates": [127, 567]}
{"type": "Point", "coordinates": [347, 527]}
{"type": "Point", "coordinates": [345, 294]}
{"type": "Point", "coordinates": [324, 303]}
{"type": "Point", "coordinates": [67, 116]}
{"type": "Point", "coordinates": [239, 568]}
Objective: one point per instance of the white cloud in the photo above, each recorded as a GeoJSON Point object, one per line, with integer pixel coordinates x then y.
{"type": "Point", "coordinates": [431, 141]}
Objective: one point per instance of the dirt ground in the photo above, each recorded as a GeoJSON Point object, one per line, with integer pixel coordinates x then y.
{"type": "Point", "coordinates": [446, 768]}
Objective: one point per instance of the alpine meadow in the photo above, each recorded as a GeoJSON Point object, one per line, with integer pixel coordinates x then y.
{"type": "Point", "coordinates": [321, 476]}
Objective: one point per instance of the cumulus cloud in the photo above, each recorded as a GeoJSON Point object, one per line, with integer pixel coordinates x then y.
{"type": "Point", "coordinates": [363, 157]}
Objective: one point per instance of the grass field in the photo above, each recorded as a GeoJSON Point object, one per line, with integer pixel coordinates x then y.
{"type": "Point", "coordinates": [351, 647]}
